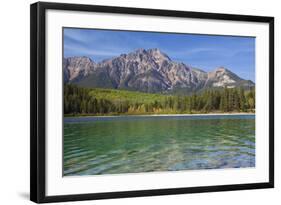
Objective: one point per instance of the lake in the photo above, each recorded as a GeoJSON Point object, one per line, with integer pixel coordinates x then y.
{"type": "Point", "coordinates": [133, 144]}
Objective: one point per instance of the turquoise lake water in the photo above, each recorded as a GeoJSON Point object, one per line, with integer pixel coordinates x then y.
{"type": "Point", "coordinates": [133, 144]}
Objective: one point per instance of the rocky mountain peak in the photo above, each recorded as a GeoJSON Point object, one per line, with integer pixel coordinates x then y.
{"type": "Point", "coordinates": [220, 69]}
{"type": "Point", "coordinates": [158, 54]}
{"type": "Point", "coordinates": [79, 59]}
{"type": "Point", "coordinates": [140, 50]}
{"type": "Point", "coordinates": [222, 77]}
{"type": "Point", "coordinates": [154, 54]}
{"type": "Point", "coordinates": [76, 68]}
{"type": "Point", "coordinates": [147, 70]}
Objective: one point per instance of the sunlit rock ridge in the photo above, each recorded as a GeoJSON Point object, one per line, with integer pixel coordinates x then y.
{"type": "Point", "coordinates": [148, 70]}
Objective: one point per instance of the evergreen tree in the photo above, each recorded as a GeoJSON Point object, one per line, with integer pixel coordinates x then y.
{"type": "Point", "coordinates": [87, 101]}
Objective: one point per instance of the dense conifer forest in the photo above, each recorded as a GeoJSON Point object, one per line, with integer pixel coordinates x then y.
{"type": "Point", "coordinates": [97, 101]}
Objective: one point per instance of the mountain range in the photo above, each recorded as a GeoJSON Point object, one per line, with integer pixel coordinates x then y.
{"type": "Point", "coordinates": [148, 70]}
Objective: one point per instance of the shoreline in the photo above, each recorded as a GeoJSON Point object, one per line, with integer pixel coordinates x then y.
{"type": "Point", "coordinates": [166, 115]}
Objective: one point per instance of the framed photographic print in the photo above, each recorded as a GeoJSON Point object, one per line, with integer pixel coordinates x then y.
{"type": "Point", "coordinates": [129, 102]}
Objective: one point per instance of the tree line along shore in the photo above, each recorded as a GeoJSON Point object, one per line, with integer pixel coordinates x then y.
{"type": "Point", "coordinates": [79, 101]}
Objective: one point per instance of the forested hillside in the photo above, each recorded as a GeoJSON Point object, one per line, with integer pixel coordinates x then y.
{"type": "Point", "coordinates": [86, 101]}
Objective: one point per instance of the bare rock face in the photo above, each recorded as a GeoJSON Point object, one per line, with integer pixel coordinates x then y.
{"type": "Point", "coordinates": [148, 70]}
{"type": "Point", "coordinates": [222, 77]}
{"type": "Point", "coordinates": [77, 68]}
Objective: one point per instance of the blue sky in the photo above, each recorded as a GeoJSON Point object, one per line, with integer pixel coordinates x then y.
{"type": "Point", "coordinates": [202, 51]}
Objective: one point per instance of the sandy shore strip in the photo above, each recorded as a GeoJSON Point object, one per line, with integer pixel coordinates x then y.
{"type": "Point", "coordinates": [166, 115]}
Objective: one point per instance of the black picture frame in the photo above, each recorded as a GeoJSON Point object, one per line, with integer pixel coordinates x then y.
{"type": "Point", "coordinates": [38, 101]}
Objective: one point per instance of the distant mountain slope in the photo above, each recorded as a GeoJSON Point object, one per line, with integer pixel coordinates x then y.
{"type": "Point", "coordinates": [77, 68]}
{"type": "Point", "coordinates": [222, 77]}
{"type": "Point", "coordinates": [147, 71]}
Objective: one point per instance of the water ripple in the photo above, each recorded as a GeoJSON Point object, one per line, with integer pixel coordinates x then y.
{"type": "Point", "coordinates": [143, 144]}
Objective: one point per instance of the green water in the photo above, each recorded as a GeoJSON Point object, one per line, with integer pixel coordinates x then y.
{"type": "Point", "coordinates": [112, 145]}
